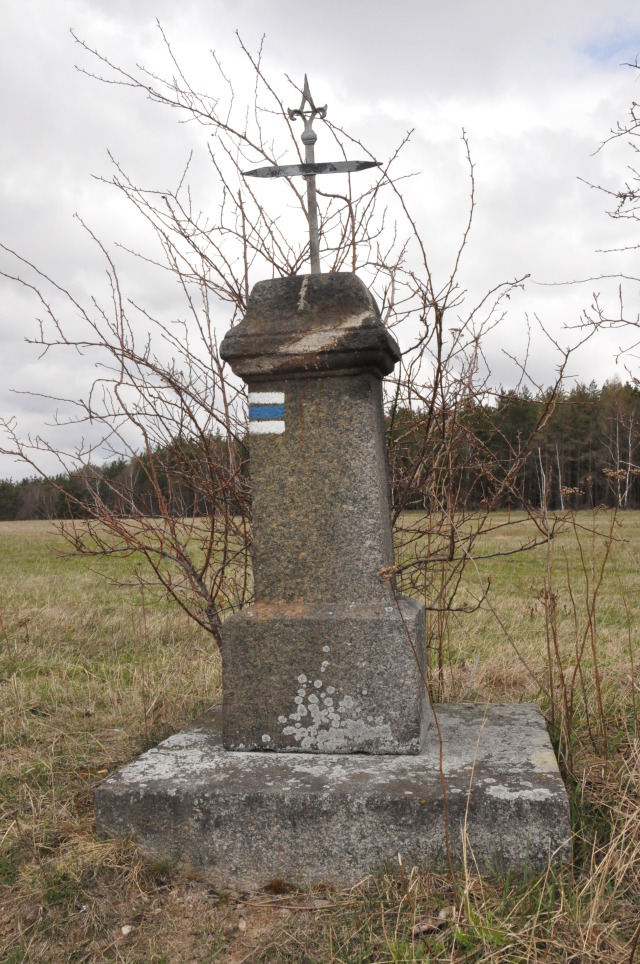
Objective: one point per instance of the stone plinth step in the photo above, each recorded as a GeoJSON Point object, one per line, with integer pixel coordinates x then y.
{"type": "Point", "coordinates": [345, 675]}
{"type": "Point", "coordinates": [246, 818]}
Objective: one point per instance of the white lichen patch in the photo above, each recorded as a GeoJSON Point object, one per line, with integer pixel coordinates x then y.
{"type": "Point", "coordinates": [185, 740]}
{"type": "Point", "coordinates": [333, 773]}
{"type": "Point", "coordinates": [524, 792]}
{"type": "Point", "coordinates": [303, 294]}
{"type": "Point", "coordinates": [174, 760]}
{"type": "Point", "coordinates": [544, 760]}
{"type": "Point", "coordinates": [331, 727]}
{"type": "Point", "coordinates": [322, 338]}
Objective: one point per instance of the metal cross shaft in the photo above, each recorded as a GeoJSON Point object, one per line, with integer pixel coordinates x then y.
{"type": "Point", "coordinates": [309, 169]}
{"type": "Point", "coordinates": [309, 138]}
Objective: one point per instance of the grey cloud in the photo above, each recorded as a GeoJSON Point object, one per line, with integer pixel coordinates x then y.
{"type": "Point", "coordinates": [536, 86]}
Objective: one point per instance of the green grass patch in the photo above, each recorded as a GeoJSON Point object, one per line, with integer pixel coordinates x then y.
{"type": "Point", "coordinates": [89, 676]}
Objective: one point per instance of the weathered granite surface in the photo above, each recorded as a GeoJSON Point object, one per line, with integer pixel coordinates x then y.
{"type": "Point", "coordinates": [320, 494]}
{"type": "Point", "coordinates": [325, 678]}
{"type": "Point", "coordinates": [308, 324]}
{"type": "Point", "coordinates": [245, 819]}
{"type": "Point", "coordinates": [314, 349]}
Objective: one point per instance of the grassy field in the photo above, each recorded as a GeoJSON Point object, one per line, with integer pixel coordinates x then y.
{"type": "Point", "coordinates": [92, 671]}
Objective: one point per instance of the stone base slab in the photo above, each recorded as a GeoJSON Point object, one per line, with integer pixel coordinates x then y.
{"type": "Point", "coordinates": [247, 818]}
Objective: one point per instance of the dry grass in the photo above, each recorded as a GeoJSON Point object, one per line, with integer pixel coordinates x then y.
{"type": "Point", "coordinates": [91, 674]}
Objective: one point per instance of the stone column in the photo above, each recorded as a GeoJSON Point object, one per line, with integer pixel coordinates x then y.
{"type": "Point", "coordinates": [327, 659]}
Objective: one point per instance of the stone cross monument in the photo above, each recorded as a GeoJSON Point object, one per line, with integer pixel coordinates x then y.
{"type": "Point", "coordinates": [325, 761]}
{"type": "Point", "coordinates": [328, 659]}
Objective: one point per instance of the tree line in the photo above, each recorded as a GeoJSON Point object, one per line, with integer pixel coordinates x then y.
{"type": "Point", "coordinates": [581, 454]}
{"type": "Point", "coordinates": [586, 454]}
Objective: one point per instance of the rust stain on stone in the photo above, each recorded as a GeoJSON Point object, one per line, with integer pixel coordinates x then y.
{"type": "Point", "coordinates": [268, 610]}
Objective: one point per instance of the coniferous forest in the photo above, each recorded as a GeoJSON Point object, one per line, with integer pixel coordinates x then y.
{"type": "Point", "coordinates": [587, 454]}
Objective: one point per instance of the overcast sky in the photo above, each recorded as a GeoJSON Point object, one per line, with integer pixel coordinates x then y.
{"type": "Point", "coordinates": [537, 86]}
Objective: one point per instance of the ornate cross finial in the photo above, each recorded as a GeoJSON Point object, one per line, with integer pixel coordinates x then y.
{"type": "Point", "coordinates": [309, 169]}
{"type": "Point", "coordinates": [312, 110]}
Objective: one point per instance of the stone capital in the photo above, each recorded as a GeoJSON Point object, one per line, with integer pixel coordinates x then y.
{"type": "Point", "coordinates": [309, 325]}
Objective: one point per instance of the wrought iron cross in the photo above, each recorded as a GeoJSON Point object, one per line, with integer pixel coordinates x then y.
{"type": "Point", "coordinates": [309, 169]}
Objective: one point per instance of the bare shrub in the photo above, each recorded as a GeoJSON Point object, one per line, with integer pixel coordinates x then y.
{"type": "Point", "coordinates": [167, 408]}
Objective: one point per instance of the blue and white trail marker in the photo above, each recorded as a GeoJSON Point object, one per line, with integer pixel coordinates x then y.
{"type": "Point", "coordinates": [266, 413]}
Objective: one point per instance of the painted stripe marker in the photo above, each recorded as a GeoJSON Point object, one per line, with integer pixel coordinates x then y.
{"type": "Point", "coordinates": [266, 413]}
